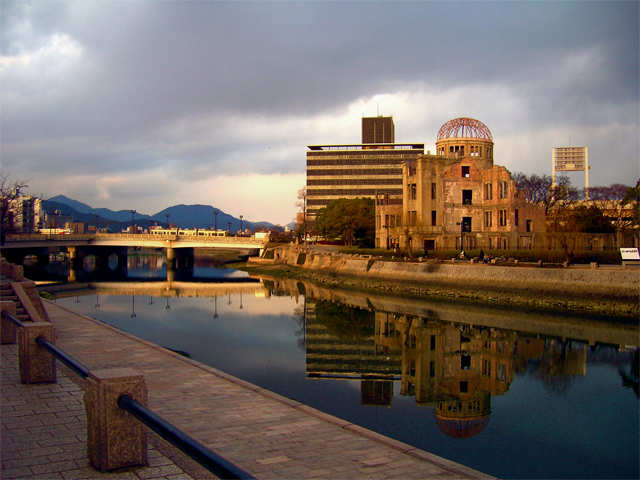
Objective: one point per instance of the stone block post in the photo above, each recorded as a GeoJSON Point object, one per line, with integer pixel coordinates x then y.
{"type": "Point", "coordinates": [37, 365]}
{"type": "Point", "coordinates": [7, 327]}
{"type": "Point", "coordinates": [115, 438]}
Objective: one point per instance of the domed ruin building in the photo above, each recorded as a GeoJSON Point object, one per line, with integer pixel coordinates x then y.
{"type": "Point", "coordinates": [458, 199]}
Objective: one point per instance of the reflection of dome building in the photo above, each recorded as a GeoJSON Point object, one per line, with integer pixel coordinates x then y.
{"type": "Point", "coordinates": [463, 418]}
{"type": "Point", "coordinates": [466, 137]}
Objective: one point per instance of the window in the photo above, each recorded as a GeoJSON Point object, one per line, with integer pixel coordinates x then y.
{"type": "Point", "coordinates": [516, 219]}
{"type": "Point", "coordinates": [502, 373]}
{"type": "Point", "coordinates": [465, 362]}
{"type": "Point", "coordinates": [488, 219]}
{"type": "Point", "coordinates": [432, 369]}
{"type": "Point", "coordinates": [433, 218]}
{"type": "Point", "coordinates": [502, 218]}
{"type": "Point", "coordinates": [488, 191]}
{"type": "Point", "coordinates": [433, 342]}
{"type": "Point", "coordinates": [412, 217]}
{"type": "Point", "coordinates": [529, 226]}
{"type": "Point", "coordinates": [464, 387]}
{"type": "Point", "coordinates": [386, 220]}
{"type": "Point", "coordinates": [465, 171]}
{"type": "Point", "coordinates": [429, 245]}
{"type": "Point", "coordinates": [451, 149]}
{"type": "Point", "coordinates": [486, 368]}
{"type": "Point", "coordinates": [412, 191]}
{"type": "Point", "coordinates": [466, 197]}
{"type": "Point", "coordinates": [433, 191]}
{"type": "Point", "coordinates": [503, 190]}
{"type": "Point", "coordinates": [392, 221]}
{"type": "Point", "coordinates": [412, 170]}
{"type": "Point", "coordinates": [466, 224]}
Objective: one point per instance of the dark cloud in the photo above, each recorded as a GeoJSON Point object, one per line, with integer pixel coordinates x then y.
{"type": "Point", "coordinates": [134, 85]}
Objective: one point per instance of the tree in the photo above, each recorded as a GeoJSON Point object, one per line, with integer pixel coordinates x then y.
{"type": "Point", "coordinates": [9, 192]}
{"type": "Point", "coordinates": [351, 220]}
{"type": "Point", "coordinates": [539, 190]}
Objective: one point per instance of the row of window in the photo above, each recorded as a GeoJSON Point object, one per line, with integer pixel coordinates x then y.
{"type": "Point", "coordinates": [359, 172]}
{"type": "Point", "coordinates": [474, 150]}
{"type": "Point", "coordinates": [355, 181]}
{"type": "Point", "coordinates": [353, 192]}
{"type": "Point", "coordinates": [311, 162]}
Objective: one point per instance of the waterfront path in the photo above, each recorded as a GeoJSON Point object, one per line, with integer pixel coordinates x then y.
{"type": "Point", "coordinates": [266, 434]}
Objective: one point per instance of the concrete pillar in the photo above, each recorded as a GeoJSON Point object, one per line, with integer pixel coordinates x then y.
{"type": "Point", "coordinates": [72, 263]}
{"type": "Point", "coordinates": [171, 258]}
{"type": "Point", "coordinates": [7, 327]}
{"type": "Point", "coordinates": [37, 365]}
{"type": "Point", "coordinates": [115, 439]}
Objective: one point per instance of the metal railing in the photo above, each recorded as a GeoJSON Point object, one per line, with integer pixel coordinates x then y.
{"type": "Point", "coordinates": [13, 319]}
{"type": "Point", "coordinates": [205, 457]}
{"type": "Point", "coordinates": [194, 449]}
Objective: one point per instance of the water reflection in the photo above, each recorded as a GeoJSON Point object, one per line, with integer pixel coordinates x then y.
{"type": "Point", "coordinates": [473, 384]}
{"type": "Point", "coordinates": [454, 368]}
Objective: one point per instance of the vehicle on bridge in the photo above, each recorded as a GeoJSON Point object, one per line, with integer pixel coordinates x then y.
{"type": "Point", "coordinates": [194, 232]}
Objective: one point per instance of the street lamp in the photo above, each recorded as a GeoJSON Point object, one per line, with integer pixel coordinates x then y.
{"type": "Point", "coordinates": [215, 219]}
{"type": "Point", "coordinates": [241, 225]}
{"type": "Point", "coordinates": [167, 215]}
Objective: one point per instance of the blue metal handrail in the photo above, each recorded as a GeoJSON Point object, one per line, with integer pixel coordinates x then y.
{"type": "Point", "coordinates": [201, 454]}
{"type": "Point", "coordinates": [205, 457]}
{"type": "Point", "coordinates": [69, 361]}
{"type": "Point", "coordinates": [11, 318]}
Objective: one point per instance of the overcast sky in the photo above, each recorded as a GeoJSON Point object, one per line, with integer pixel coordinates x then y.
{"type": "Point", "coordinates": [145, 105]}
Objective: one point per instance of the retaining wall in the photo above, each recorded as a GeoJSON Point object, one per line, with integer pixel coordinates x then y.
{"type": "Point", "coordinates": [582, 279]}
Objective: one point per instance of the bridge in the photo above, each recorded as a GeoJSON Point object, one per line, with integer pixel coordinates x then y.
{"type": "Point", "coordinates": [36, 240]}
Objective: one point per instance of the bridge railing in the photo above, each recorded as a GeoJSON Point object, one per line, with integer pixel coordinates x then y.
{"type": "Point", "coordinates": [113, 441]}
{"type": "Point", "coordinates": [36, 237]}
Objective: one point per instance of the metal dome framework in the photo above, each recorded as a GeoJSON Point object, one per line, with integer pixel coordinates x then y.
{"type": "Point", "coordinates": [464, 127]}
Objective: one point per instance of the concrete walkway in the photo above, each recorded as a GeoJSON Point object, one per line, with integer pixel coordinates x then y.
{"type": "Point", "coordinates": [44, 432]}
{"type": "Point", "coordinates": [268, 435]}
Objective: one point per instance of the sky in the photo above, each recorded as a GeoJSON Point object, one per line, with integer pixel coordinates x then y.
{"type": "Point", "coordinates": [144, 105]}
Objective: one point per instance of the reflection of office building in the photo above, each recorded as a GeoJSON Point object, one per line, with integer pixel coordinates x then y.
{"type": "Point", "coordinates": [340, 344]}
{"type": "Point", "coordinates": [364, 170]}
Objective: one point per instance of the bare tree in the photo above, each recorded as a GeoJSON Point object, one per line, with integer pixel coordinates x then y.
{"type": "Point", "coordinates": [541, 191]}
{"type": "Point", "coordinates": [10, 191]}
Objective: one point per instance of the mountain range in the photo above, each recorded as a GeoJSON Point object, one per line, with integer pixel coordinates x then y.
{"type": "Point", "coordinates": [182, 216]}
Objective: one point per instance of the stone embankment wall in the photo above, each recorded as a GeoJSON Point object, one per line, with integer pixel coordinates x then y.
{"type": "Point", "coordinates": [588, 280]}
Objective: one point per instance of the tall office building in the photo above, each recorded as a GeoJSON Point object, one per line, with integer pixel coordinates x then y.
{"type": "Point", "coordinates": [377, 130]}
{"type": "Point", "coordinates": [358, 170]}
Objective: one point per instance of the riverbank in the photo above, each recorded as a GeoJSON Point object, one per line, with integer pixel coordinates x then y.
{"type": "Point", "coordinates": [602, 291]}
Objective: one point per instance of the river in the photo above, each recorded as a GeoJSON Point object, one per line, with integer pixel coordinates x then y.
{"type": "Point", "coordinates": [510, 393]}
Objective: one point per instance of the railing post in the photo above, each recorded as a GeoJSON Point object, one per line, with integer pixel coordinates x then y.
{"type": "Point", "coordinates": [37, 365]}
{"type": "Point", "coordinates": [115, 438]}
{"type": "Point", "coordinates": [7, 327]}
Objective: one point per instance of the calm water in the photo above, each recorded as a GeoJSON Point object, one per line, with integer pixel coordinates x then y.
{"type": "Point", "coordinates": [511, 394]}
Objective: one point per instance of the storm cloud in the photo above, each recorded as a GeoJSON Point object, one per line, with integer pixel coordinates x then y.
{"type": "Point", "coordinates": [133, 104]}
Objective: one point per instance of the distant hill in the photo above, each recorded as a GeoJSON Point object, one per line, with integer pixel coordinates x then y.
{"type": "Point", "coordinates": [183, 216]}
{"type": "Point", "coordinates": [201, 216]}
{"type": "Point", "coordinates": [76, 205]}
{"type": "Point", "coordinates": [118, 216]}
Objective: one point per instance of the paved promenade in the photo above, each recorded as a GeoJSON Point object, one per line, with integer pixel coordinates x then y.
{"type": "Point", "coordinates": [268, 435]}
